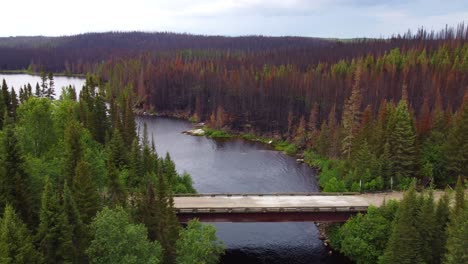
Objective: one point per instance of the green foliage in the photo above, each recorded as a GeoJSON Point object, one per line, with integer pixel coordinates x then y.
{"type": "Point", "coordinates": [365, 236]}
{"type": "Point", "coordinates": [15, 188]}
{"type": "Point", "coordinates": [117, 240]}
{"type": "Point", "coordinates": [34, 126]}
{"type": "Point", "coordinates": [404, 245]}
{"type": "Point", "coordinates": [85, 192]}
{"type": "Point", "coordinates": [198, 244]}
{"type": "Point", "coordinates": [402, 143]}
{"type": "Point", "coordinates": [54, 234]}
{"type": "Point", "coordinates": [220, 134]}
{"type": "Point", "coordinates": [16, 245]}
{"type": "Point", "coordinates": [458, 229]}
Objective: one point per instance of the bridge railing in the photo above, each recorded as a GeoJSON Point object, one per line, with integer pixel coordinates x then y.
{"type": "Point", "coordinates": [204, 210]}
{"type": "Point", "coordinates": [265, 194]}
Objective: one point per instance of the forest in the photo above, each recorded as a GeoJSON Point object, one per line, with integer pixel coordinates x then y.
{"type": "Point", "coordinates": [369, 114]}
{"type": "Point", "coordinates": [78, 185]}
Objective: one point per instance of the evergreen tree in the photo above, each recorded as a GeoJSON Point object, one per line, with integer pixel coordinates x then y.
{"type": "Point", "coordinates": [73, 150]}
{"type": "Point", "coordinates": [54, 235]}
{"type": "Point", "coordinates": [426, 223]}
{"type": "Point", "coordinates": [404, 245]}
{"type": "Point", "coordinates": [457, 238]}
{"type": "Point", "coordinates": [78, 229]}
{"type": "Point", "coordinates": [402, 142]}
{"type": "Point", "coordinates": [117, 195]}
{"type": "Point", "coordinates": [6, 96]}
{"type": "Point", "coordinates": [101, 123]}
{"type": "Point", "coordinates": [440, 235]}
{"type": "Point", "coordinates": [16, 245]}
{"type": "Point", "coordinates": [44, 84]}
{"type": "Point", "coordinates": [351, 115]}
{"type": "Point", "coordinates": [51, 88]}
{"type": "Point", "coordinates": [456, 149]}
{"type": "Point", "coordinates": [15, 181]}
{"type": "Point", "coordinates": [14, 103]}
{"type": "Point", "coordinates": [85, 192]}
{"type": "Point", "coordinates": [3, 110]}
{"type": "Point", "coordinates": [117, 151]}
{"type": "Point", "coordinates": [136, 170]}
{"type": "Point", "coordinates": [149, 213]}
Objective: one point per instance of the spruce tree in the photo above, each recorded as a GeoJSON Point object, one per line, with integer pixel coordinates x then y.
{"type": "Point", "coordinates": [404, 245]}
{"type": "Point", "coordinates": [351, 115]}
{"type": "Point", "coordinates": [117, 195]}
{"type": "Point", "coordinates": [136, 171]}
{"type": "Point", "coordinates": [54, 235]}
{"type": "Point", "coordinates": [73, 150]}
{"type": "Point", "coordinates": [427, 225]}
{"type": "Point", "coordinates": [14, 103]}
{"type": "Point", "coordinates": [6, 96]}
{"type": "Point", "coordinates": [78, 229]}
{"type": "Point", "coordinates": [457, 238]}
{"type": "Point", "coordinates": [440, 235]}
{"type": "Point", "coordinates": [85, 192]}
{"type": "Point", "coordinates": [15, 181]}
{"type": "Point", "coordinates": [51, 88]}
{"type": "Point", "coordinates": [456, 149]}
{"type": "Point", "coordinates": [16, 246]}
{"type": "Point", "coordinates": [403, 142]}
{"type": "Point", "coordinates": [117, 152]}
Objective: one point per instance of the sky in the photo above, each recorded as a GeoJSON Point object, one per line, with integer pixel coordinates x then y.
{"type": "Point", "coordinates": [313, 18]}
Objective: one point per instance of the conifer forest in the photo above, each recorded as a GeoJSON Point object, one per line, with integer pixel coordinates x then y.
{"type": "Point", "coordinates": [79, 183]}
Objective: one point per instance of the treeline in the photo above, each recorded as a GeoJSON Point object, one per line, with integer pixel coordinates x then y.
{"type": "Point", "coordinates": [78, 185]}
{"type": "Point", "coordinates": [416, 230]}
{"type": "Point", "coordinates": [389, 115]}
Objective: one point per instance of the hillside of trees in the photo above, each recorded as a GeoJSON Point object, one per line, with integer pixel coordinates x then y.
{"type": "Point", "coordinates": [78, 185]}
{"type": "Point", "coordinates": [371, 113]}
{"type": "Point", "coordinates": [417, 229]}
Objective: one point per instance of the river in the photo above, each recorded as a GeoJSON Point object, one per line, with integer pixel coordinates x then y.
{"type": "Point", "coordinates": [234, 166]}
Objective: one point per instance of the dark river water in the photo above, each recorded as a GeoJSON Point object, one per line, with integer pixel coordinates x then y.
{"type": "Point", "coordinates": [234, 166]}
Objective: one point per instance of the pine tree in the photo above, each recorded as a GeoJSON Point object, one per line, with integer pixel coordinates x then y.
{"type": "Point", "coordinates": [404, 245]}
{"type": "Point", "coordinates": [54, 235]}
{"type": "Point", "coordinates": [16, 245]}
{"type": "Point", "coordinates": [402, 142]}
{"type": "Point", "coordinates": [15, 181]}
{"type": "Point", "coordinates": [85, 192]}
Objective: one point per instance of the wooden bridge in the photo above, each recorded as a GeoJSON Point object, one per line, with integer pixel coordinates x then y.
{"type": "Point", "coordinates": [278, 207]}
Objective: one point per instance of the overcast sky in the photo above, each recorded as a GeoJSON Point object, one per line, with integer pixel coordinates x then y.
{"type": "Point", "coordinates": [315, 18]}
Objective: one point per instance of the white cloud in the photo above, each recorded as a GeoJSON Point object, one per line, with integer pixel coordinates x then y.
{"type": "Point", "coordinates": [322, 18]}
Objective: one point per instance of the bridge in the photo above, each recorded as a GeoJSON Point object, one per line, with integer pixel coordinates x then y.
{"type": "Point", "coordinates": [277, 207]}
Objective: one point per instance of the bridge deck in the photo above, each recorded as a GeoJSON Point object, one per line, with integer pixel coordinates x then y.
{"type": "Point", "coordinates": [269, 201]}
